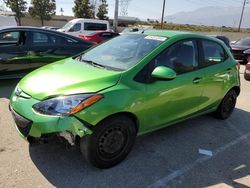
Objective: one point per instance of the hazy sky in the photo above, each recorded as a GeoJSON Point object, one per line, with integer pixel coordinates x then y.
{"type": "Point", "coordinates": [144, 9]}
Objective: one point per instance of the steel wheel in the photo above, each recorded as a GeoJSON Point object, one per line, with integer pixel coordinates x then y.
{"type": "Point", "coordinates": [110, 143]}
{"type": "Point", "coordinates": [227, 105]}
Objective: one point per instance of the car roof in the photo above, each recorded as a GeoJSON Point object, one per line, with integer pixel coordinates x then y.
{"type": "Point", "coordinates": [172, 34]}
{"type": "Point", "coordinates": [88, 20]}
{"type": "Point", "coordinates": [29, 28]}
{"type": "Point", "coordinates": [26, 28]}
{"type": "Point", "coordinates": [164, 33]}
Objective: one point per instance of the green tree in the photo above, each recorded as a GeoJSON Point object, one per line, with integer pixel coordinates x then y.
{"type": "Point", "coordinates": [17, 6]}
{"type": "Point", "coordinates": [103, 10]}
{"type": "Point", "coordinates": [83, 9]}
{"type": "Point", "coordinates": [43, 9]}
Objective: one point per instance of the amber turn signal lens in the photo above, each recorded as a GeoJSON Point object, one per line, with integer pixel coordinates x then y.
{"type": "Point", "coordinates": [88, 102]}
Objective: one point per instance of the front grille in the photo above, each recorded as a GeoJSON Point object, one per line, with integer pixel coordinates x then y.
{"type": "Point", "coordinates": [23, 124]}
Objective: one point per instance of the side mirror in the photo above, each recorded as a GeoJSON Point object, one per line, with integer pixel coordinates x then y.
{"type": "Point", "coordinates": [163, 73]}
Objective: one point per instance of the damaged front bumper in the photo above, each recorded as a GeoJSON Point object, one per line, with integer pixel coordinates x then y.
{"type": "Point", "coordinates": [31, 124]}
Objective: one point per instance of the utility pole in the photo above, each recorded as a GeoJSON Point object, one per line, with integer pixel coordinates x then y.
{"type": "Point", "coordinates": [163, 10]}
{"type": "Point", "coordinates": [115, 22]}
{"type": "Point", "coordinates": [242, 12]}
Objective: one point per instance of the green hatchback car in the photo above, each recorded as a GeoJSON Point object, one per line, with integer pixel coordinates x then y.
{"type": "Point", "coordinates": [128, 86]}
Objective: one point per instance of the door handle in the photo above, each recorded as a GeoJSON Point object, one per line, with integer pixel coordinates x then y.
{"type": "Point", "coordinates": [197, 80]}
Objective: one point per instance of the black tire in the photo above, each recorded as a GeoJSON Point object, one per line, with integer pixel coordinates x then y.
{"type": "Point", "coordinates": [227, 105]}
{"type": "Point", "coordinates": [110, 143]}
{"type": "Point", "coordinates": [246, 77]}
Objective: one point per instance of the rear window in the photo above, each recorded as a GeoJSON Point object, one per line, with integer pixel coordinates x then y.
{"type": "Point", "coordinates": [94, 26]}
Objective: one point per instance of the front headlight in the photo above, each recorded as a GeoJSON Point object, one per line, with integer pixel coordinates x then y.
{"type": "Point", "coordinates": [66, 105]}
{"type": "Point", "coordinates": [246, 51]}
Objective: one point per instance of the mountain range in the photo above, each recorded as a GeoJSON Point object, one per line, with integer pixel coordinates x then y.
{"type": "Point", "coordinates": [212, 16]}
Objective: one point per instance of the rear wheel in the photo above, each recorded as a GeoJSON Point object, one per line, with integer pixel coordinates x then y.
{"type": "Point", "coordinates": [110, 142]}
{"type": "Point", "coordinates": [227, 105]}
{"type": "Point", "coordinates": [247, 77]}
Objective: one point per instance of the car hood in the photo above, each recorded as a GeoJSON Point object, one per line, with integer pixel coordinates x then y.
{"type": "Point", "coordinates": [67, 77]}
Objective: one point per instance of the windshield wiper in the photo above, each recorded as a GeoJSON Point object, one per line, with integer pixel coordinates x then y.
{"type": "Point", "coordinates": [93, 63]}
{"type": "Point", "coordinates": [98, 65]}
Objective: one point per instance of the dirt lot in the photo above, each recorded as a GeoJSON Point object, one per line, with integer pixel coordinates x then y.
{"type": "Point", "coordinates": [166, 158]}
{"type": "Point", "coordinates": [233, 36]}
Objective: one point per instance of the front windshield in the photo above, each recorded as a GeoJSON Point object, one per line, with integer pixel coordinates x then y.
{"type": "Point", "coordinates": [68, 25]}
{"type": "Point", "coordinates": [243, 42]}
{"type": "Point", "coordinates": [122, 52]}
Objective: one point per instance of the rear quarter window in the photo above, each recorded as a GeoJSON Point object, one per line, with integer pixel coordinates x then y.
{"type": "Point", "coordinates": [213, 53]}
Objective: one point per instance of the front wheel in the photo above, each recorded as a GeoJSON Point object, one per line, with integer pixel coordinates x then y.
{"type": "Point", "coordinates": [110, 143]}
{"type": "Point", "coordinates": [227, 105]}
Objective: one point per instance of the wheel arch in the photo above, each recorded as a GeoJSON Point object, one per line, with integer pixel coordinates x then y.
{"type": "Point", "coordinates": [236, 89]}
{"type": "Point", "coordinates": [132, 116]}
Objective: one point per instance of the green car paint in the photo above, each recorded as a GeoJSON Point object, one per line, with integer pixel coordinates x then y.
{"type": "Point", "coordinates": [152, 105]}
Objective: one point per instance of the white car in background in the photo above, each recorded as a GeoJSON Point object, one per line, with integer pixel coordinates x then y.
{"type": "Point", "coordinates": [83, 26]}
{"type": "Point", "coordinates": [7, 21]}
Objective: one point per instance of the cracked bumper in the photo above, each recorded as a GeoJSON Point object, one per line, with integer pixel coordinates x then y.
{"type": "Point", "coordinates": [30, 123]}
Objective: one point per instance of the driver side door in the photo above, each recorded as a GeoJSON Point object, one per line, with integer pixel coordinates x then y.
{"type": "Point", "coordinates": [173, 100]}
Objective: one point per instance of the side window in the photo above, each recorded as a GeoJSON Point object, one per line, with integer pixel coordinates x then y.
{"type": "Point", "coordinates": [76, 27]}
{"type": "Point", "coordinates": [44, 39]}
{"type": "Point", "coordinates": [213, 53]}
{"type": "Point", "coordinates": [40, 38]}
{"type": "Point", "coordinates": [94, 26]}
{"type": "Point", "coordinates": [9, 37]}
{"type": "Point", "coordinates": [181, 57]}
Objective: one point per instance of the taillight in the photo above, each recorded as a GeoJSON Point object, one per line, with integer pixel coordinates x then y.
{"type": "Point", "coordinates": [248, 58]}
{"type": "Point", "coordinates": [82, 36]}
{"type": "Point", "coordinates": [85, 37]}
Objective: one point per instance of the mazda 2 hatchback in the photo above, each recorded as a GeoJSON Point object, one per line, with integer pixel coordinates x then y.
{"type": "Point", "coordinates": [128, 86]}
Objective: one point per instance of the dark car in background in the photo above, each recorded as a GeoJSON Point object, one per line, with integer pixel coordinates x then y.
{"type": "Point", "coordinates": [99, 36]}
{"type": "Point", "coordinates": [23, 49]}
{"type": "Point", "coordinates": [224, 39]}
{"type": "Point", "coordinates": [241, 50]}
